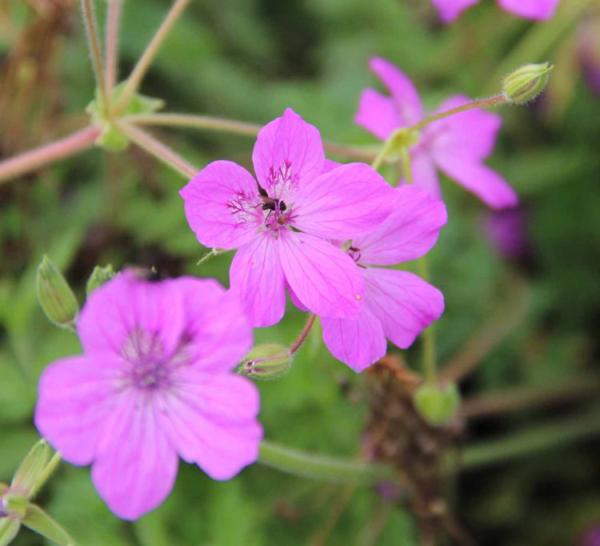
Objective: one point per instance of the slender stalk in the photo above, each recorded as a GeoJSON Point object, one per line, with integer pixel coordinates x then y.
{"type": "Point", "coordinates": [239, 128]}
{"type": "Point", "coordinates": [322, 467]}
{"type": "Point", "coordinates": [303, 334]}
{"type": "Point", "coordinates": [156, 148]}
{"type": "Point", "coordinates": [139, 71]}
{"type": "Point", "coordinates": [45, 155]}
{"type": "Point", "coordinates": [113, 18]}
{"type": "Point", "coordinates": [479, 103]}
{"type": "Point", "coordinates": [515, 399]}
{"type": "Point", "coordinates": [46, 473]}
{"type": "Point", "coordinates": [93, 39]}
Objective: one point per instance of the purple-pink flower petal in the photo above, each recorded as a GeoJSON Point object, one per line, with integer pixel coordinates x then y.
{"type": "Point", "coordinates": [424, 174]}
{"type": "Point", "coordinates": [343, 203]}
{"type": "Point", "coordinates": [406, 98]}
{"type": "Point", "coordinates": [449, 10]}
{"type": "Point", "coordinates": [538, 10]}
{"type": "Point", "coordinates": [357, 342]}
{"type": "Point", "coordinates": [287, 152]}
{"type": "Point", "coordinates": [257, 277]}
{"type": "Point", "coordinates": [403, 302]}
{"type": "Point", "coordinates": [219, 205]}
{"type": "Point", "coordinates": [324, 278]}
{"type": "Point", "coordinates": [377, 114]}
{"type": "Point", "coordinates": [408, 233]}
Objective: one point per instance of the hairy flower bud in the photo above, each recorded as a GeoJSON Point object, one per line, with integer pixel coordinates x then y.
{"type": "Point", "coordinates": [268, 361]}
{"type": "Point", "coordinates": [55, 295]}
{"type": "Point", "coordinates": [437, 405]}
{"type": "Point", "coordinates": [526, 82]}
{"type": "Point", "coordinates": [99, 276]}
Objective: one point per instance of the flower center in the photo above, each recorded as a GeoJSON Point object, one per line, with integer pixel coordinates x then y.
{"type": "Point", "coordinates": [149, 368]}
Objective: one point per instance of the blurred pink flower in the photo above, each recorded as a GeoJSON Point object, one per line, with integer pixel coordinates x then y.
{"type": "Point", "coordinates": [154, 381]}
{"type": "Point", "coordinates": [538, 10]}
{"type": "Point", "coordinates": [398, 305]}
{"type": "Point", "coordinates": [282, 224]}
{"type": "Point", "coordinates": [589, 53]}
{"type": "Point", "coordinates": [457, 145]}
{"type": "Point", "coordinates": [507, 231]}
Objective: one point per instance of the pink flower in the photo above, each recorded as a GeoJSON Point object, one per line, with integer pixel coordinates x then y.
{"type": "Point", "coordinates": [155, 380]}
{"type": "Point", "coordinates": [282, 224]}
{"type": "Point", "coordinates": [538, 10]}
{"type": "Point", "coordinates": [457, 145]}
{"type": "Point", "coordinates": [398, 305]}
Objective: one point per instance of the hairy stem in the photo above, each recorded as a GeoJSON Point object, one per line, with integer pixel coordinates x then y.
{"type": "Point", "coordinates": [239, 128]}
{"type": "Point", "coordinates": [139, 71]}
{"type": "Point", "coordinates": [479, 103]}
{"type": "Point", "coordinates": [113, 18]}
{"type": "Point", "coordinates": [93, 39]}
{"type": "Point", "coordinates": [45, 155]}
{"type": "Point", "coordinates": [303, 334]}
{"type": "Point", "coordinates": [156, 148]}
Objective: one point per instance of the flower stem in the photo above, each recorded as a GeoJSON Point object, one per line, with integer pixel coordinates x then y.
{"type": "Point", "coordinates": [156, 148]}
{"type": "Point", "coordinates": [93, 39]}
{"type": "Point", "coordinates": [142, 66]}
{"type": "Point", "coordinates": [303, 334]}
{"type": "Point", "coordinates": [326, 468]}
{"type": "Point", "coordinates": [479, 103]}
{"type": "Point", "coordinates": [237, 127]}
{"type": "Point", "coordinates": [113, 18]}
{"type": "Point", "coordinates": [34, 159]}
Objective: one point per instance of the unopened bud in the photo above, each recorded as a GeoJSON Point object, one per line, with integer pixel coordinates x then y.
{"type": "Point", "coordinates": [526, 83]}
{"type": "Point", "coordinates": [55, 295]}
{"type": "Point", "coordinates": [268, 361]}
{"type": "Point", "coordinates": [31, 469]}
{"type": "Point", "coordinates": [437, 405]}
{"type": "Point", "coordinates": [99, 276]}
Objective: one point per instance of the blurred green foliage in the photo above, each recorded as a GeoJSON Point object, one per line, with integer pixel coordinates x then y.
{"type": "Point", "coordinates": [248, 60]}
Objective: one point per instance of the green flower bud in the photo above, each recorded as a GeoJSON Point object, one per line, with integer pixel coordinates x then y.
{"type": "Point", "coordinates": [55, 295]}
{"type": "Point", "coordinates": [526, 83]}
{"type": "Point", "coordinates": [9, 529]}
{"type": "Point", "coordinates": [265, 362]}
{"type": "Point", "coordinates": [31, 469]}
{"type": "Point", "coordinates": [99, 276]}
{"type": "Point", "coordinates": [437, 405]}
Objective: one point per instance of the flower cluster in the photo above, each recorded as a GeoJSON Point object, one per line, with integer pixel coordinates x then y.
{"type": "Point", "coordinates": [538, 10]}
{"type": "Point", "coordinates": [154, 381]}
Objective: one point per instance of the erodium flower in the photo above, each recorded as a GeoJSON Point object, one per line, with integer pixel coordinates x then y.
{"type": "Point", "coordinates": [282, 224]}
{"type": "Point", "coordinates": [457, 145]}
{"type": "Point", "coordinates": [154, 381]}
{"type": "Point", "coordinates": [538, 10]}
{"type": "Point", "coordinates": [398, 304]}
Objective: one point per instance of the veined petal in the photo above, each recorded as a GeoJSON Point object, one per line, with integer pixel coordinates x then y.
{"type": "Point", "coordinates": [408, 233]}
{"type": "Point", "coordinates": [135, 467]}
{"type": "Point", "coordinates": [403, 302]}
{"type": "Point", "coordinates": [222, 205]}
{"type": "Point", "coordinates": [357, 342]}
{"type": "Point", "coordinates": [257, 278]}
{"type": "Point", "coordinates": [538, 10]}
{"type": "Point", "coordinates": [212, 422]}
{"type": "Point", "coordinates": [485, 183]}
{"type": "Point", "coordinates": [215, 323]}
{"type": "Point", "coordinates": [377, 114]}
{"type": "Point", "coordinates": [471, 134]}
{"type": "Point", "coordinates": [342, 203]}
{"type": "Point", "coordinates": [404, 93]}
{"type": "Point", "coordinates": [288, 152]}
{"type": "Point", "coordinates": [324, 278]}
{"type": "Point", "coordinates": [449, 10]}
{"type": "Point", "coordinates": [125, 307]}
{"type": "Point", "coordinates": [74, 403]}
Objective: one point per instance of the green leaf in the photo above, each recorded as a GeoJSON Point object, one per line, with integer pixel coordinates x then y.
{"type": "Point", "coordinates": [39, 521]}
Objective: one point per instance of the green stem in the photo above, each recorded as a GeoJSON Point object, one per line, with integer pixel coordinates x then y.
{"type": "Point", "coordinates": [156, 148]}
{"type": "Point", "coordinates": [479, 103]}
{"type": "Point", "coordinates": [238, 128]}
{"type": "Point", "coordinates": [139, 71]}
{"type": "Point", "coordinates": [326, 468]}
{"type": "Point", "coordinates": [91, 28]}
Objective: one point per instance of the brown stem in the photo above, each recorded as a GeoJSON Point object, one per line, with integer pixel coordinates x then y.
{"type": "Point", "coordinates": [45, 155]}
{"type": "Point", "coordinates": [91, 28]}
{"type": "Point", "coordinates": [515, 399]}
{"type": "Point", "coordinates": [303, 334]}
{"type": "Point", "coordinates": [113, 18]}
